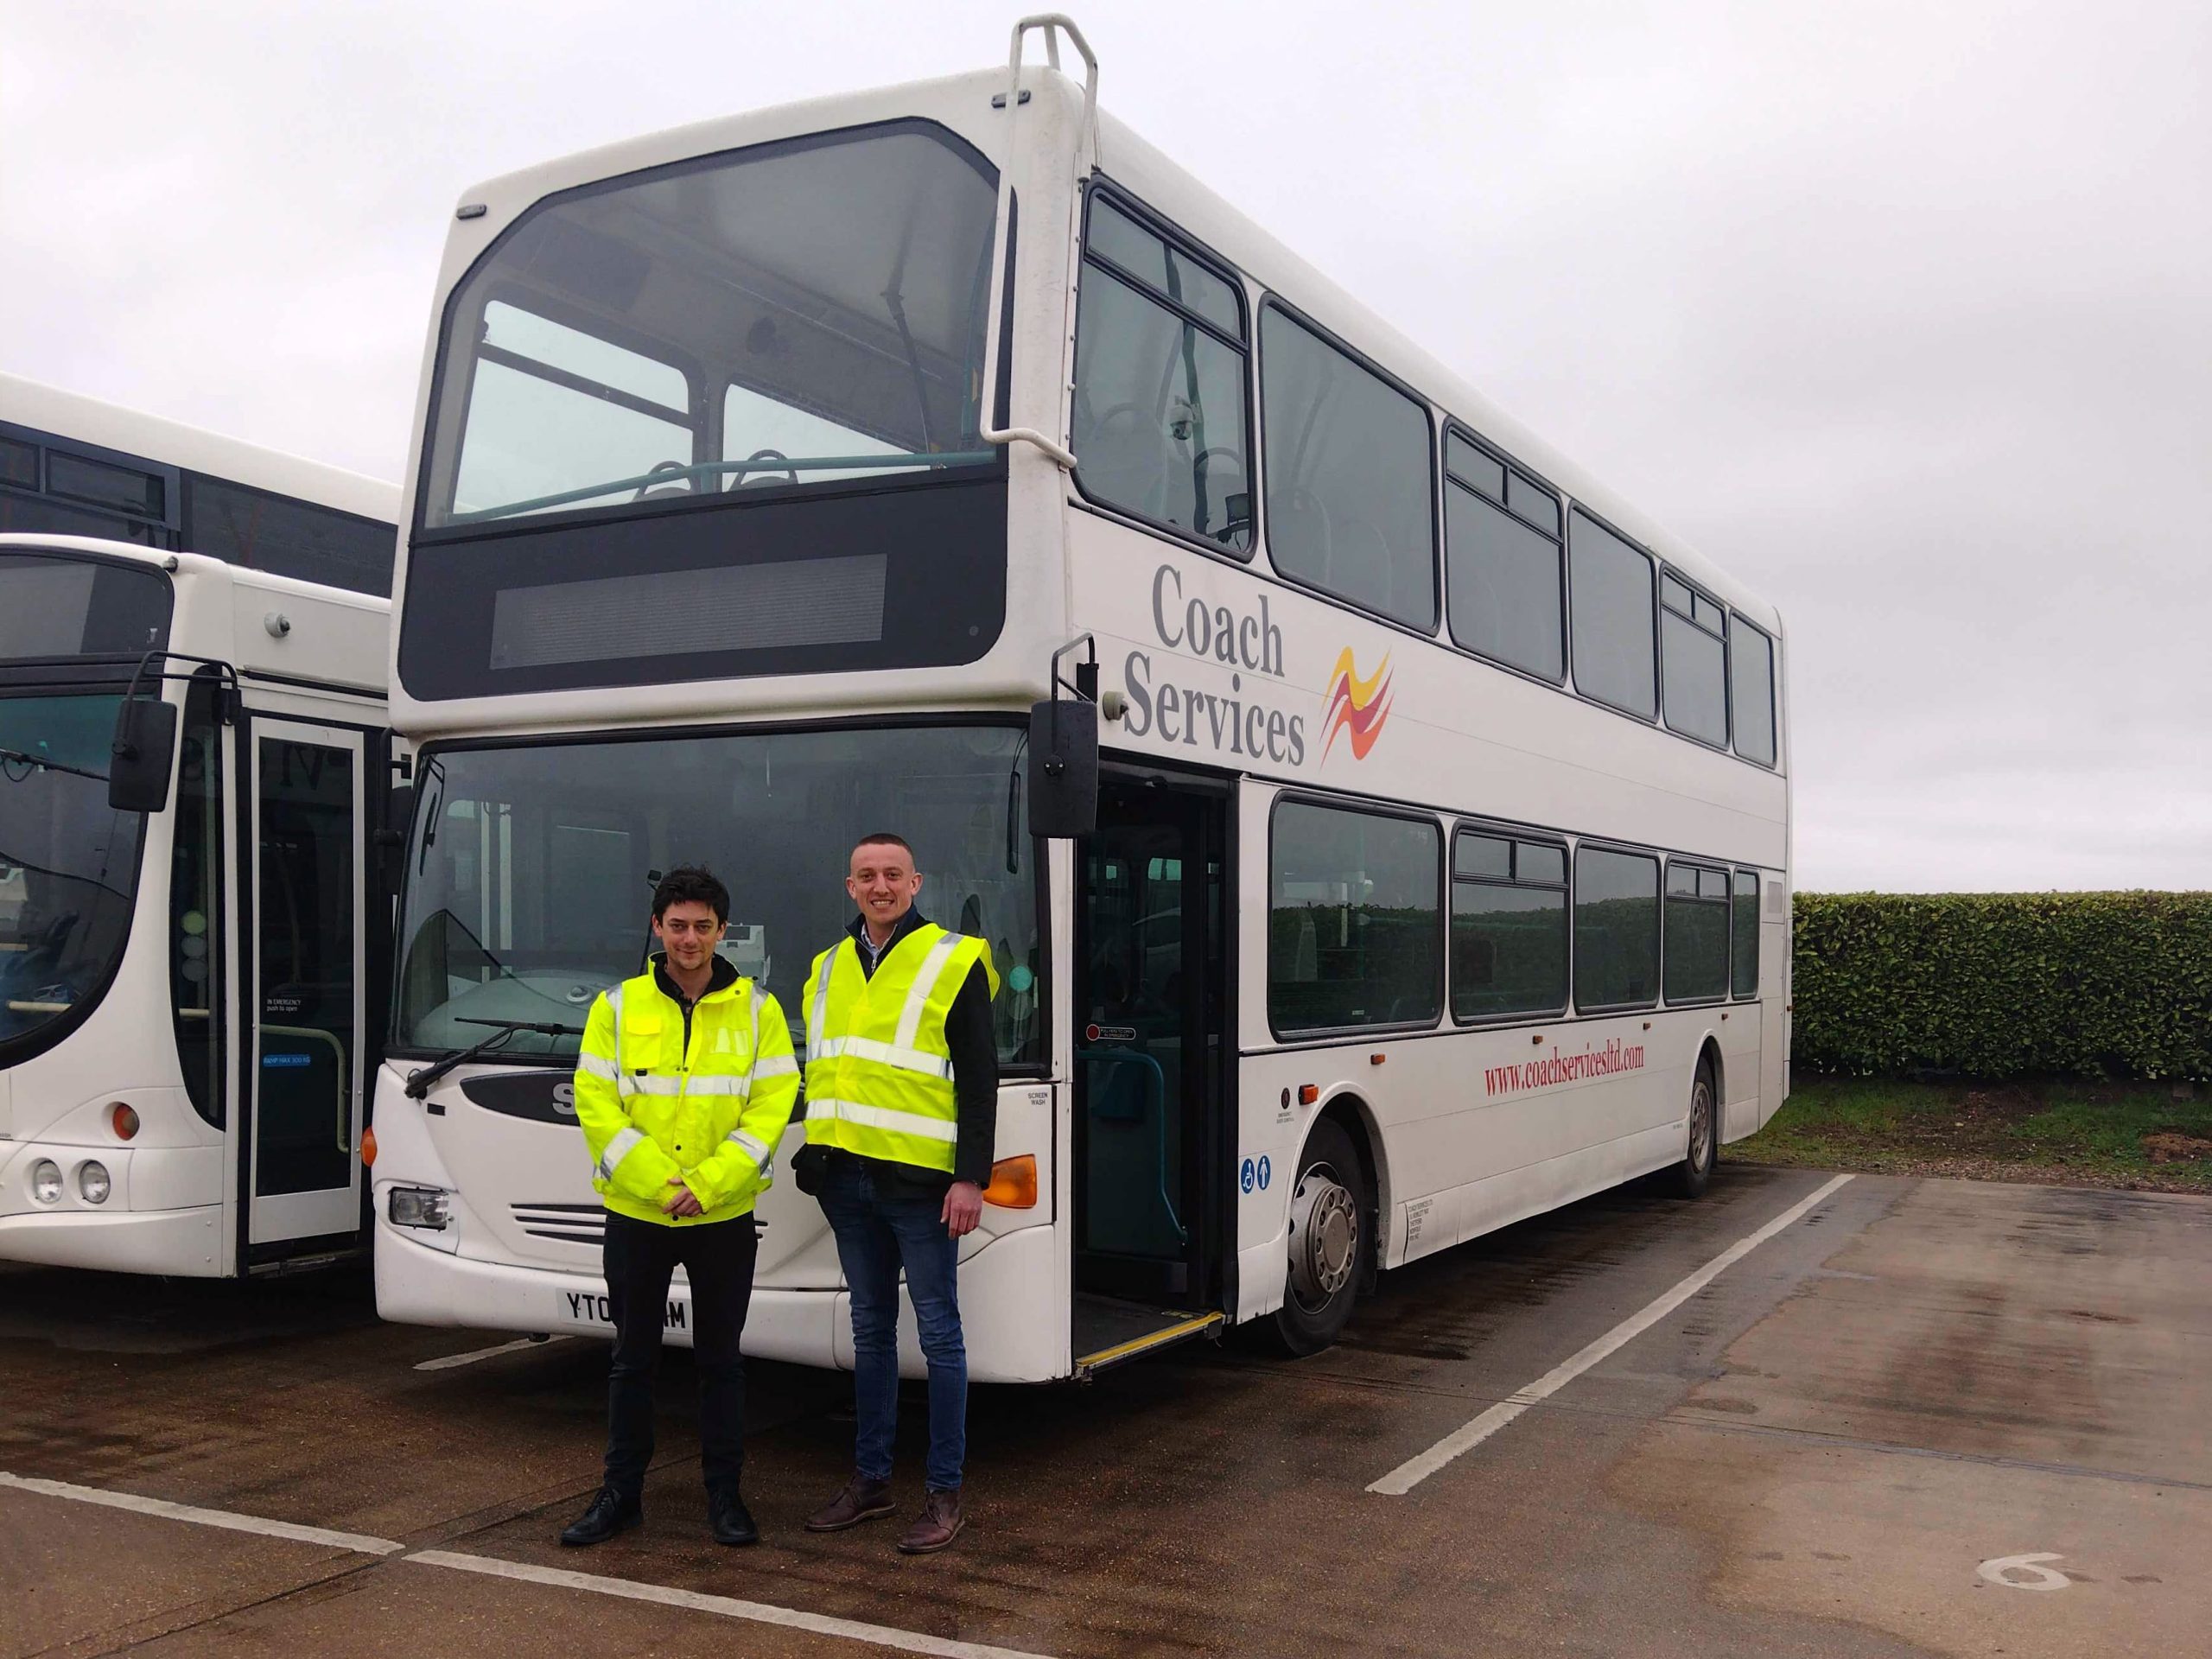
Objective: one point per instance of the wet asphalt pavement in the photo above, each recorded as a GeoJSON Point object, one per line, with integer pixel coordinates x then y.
{"type": "Point", "coordinates": [1833, 1448]}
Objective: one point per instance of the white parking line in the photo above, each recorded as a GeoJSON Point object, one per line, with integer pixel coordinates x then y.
{"type": "Point", "coordinates": [756, 1612]}
{"type": "Point", "coordinates": [200, 1517]}
{"type": "Point", "coordinates": [1410, 1473]}
{"type": "Point", "coordinates": [476, 1354]}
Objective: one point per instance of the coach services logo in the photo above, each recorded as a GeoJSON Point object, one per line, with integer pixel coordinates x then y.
{"type": "Point", "coordinates": [1357, 705]}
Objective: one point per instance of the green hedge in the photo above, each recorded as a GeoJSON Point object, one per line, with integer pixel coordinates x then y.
{"type": "Point", "coordinates": [2004, 984]}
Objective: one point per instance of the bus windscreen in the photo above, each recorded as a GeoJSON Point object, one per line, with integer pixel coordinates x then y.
{"type": "Point", "coordinates": [789, 314]}
{"type": "Point", "coordinates": [66, 605]}
{"type": "Point", "coordinates": [69, 861]}
{"type": "Point", "coordinates": [530, 876]}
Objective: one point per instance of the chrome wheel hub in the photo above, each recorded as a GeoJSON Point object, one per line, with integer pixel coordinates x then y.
{"type": "Point", "coordinates": [1324, 1236]}
{"type": "Point", "coordinates": [1701, 1125]}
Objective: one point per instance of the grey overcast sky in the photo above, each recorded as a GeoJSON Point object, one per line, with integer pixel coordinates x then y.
{"type": "Point", "coordinates": [1901, 312]}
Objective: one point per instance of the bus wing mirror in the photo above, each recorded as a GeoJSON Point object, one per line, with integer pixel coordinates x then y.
{"type": "Point", "coordinates": [1063, 768]}
{"type": "Point", "coordinates": [143, 751]}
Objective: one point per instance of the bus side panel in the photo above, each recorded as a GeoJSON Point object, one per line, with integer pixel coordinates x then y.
{"type": "Point", "coordinates": [1774, 997]}
{"type": "Point", "coordinates": [1741, 1035]}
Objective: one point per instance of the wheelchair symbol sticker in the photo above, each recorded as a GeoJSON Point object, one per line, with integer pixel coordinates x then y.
{"type": "Point", "coordinates": [1266, 1171]}
{"type": "Point", "coordinates": [1244, 1176]}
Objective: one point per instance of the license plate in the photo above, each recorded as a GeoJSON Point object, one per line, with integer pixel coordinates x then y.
{"type": "Point", "coordinates": [589, 1307]}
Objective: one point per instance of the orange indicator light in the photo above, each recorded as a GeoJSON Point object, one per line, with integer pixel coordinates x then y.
{"type": "Point", "coordinates": [1014, 1183]}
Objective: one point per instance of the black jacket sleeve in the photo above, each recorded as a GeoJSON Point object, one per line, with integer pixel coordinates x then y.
{"type": "Point", "coordinates": [975, 1048]}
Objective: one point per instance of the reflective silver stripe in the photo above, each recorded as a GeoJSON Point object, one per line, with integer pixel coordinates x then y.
{"type": "Point", "coordinates": [694, 1086]}
{"type": "Point", "coordinates": [614, 1001]}
{"type": "Point", "coordinates": [783, 1066]}
{"type": "Point", "coordinates": [758, 1152]}
{"type": "Point", "coordinates": [740, 1086]}
{"type": "Point", "coordinates": [752, 1008]}
{"type": "Point", "coordinates": [820, 1023]}
{"type": "Point", "coordinates": [597, 1067]}
{"type": "Point", "coordinates": [879, 1117]}
{"type": "Point", "coordinates": [907, 1059]}
{"type": "Point", "coordinates": [620, 1147]}
{"type": "Point", "coordinates": [924, 986]}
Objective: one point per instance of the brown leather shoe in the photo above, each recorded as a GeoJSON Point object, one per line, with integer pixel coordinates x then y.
{"type": "Point", "coordinates": [861, 1500]}
{"type": "Point", "coordinates": [938, 1525]}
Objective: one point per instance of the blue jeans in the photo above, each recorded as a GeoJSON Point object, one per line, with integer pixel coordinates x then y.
{"type": "Point", "coordinates": [882, 1223]}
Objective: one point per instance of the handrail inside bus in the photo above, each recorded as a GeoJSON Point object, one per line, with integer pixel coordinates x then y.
{"type": "Point", "coordinates": [1152, 1068]}
{"type": "Point", "coordinates": [315, 1034]}
{"type": "Point", "coordinates": [1050, 23]}
{"type": "Point", "coordinates": [667, 473]}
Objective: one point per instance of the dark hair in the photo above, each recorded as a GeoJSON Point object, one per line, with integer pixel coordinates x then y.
{"type": "Point", "coordinates": [885, 838]}
{"type": "Point", "coordinates": [691, 884]}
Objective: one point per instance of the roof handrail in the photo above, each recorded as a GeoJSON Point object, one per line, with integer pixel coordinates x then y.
{"type": "Point", "coordinates": [1050, 23]}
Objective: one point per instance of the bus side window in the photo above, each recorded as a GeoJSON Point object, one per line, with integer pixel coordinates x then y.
{"type": "Point", "coordinates": [1349, 504]}
{"type": "Point", "coordinates": [1616, 656]}
{"type": "Point", "coordinates": [1160, 426]}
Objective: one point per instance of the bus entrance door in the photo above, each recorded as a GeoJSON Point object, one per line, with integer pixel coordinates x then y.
{"type": "Point", "coordinates": [1151, 1076]}
{"type": "Point", "coordinates": [307, 986]}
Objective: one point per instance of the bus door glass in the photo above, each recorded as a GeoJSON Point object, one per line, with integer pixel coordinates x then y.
{"type": "Point", "coordinates": [307, 982]}
{"type": "Point", "coordinates": [1148, 1029]}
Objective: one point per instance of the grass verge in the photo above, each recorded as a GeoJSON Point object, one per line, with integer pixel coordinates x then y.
{"type": "Point", "coordinates": [2134, 1135]}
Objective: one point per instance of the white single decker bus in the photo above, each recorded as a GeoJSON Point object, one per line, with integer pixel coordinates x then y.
{"type": "Point", "coordinates": [193, 763]}
{"type": "Point", "coordinates": [769, 471]}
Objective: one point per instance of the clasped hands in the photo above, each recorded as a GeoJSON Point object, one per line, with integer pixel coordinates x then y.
{"type": "Point", "coordinates": [963, 1205]}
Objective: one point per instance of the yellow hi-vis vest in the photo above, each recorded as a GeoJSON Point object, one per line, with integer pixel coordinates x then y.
{"type": "Point", "coordinates": [879, 1071]}
{"type": "Point", "coordinates": [652, 1109]}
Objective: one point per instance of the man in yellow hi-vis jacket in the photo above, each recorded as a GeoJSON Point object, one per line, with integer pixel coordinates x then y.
{"type": "Point", "coordinates": [684, 1084]}
{"type": "Point", "coordinates": [902, 1111]}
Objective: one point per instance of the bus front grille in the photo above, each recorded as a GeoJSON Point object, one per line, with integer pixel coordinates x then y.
{"type": "Point", "coordinates": [574, 1223]}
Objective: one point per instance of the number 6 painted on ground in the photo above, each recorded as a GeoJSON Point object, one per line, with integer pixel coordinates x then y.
{"type": "Point", "coordinates": [2000, 1569]}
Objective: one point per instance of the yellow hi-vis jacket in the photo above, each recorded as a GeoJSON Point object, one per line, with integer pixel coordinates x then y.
{"type": "Point", "coordinates": [712, 1112]}
{"type": "Point", "coordinates": [879, 1071]}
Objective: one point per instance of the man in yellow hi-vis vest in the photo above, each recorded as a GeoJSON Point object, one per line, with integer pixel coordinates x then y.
{"type": "Point", "coordinates": [684, 1084]}
{"type": "Point", "coordinates": [902, 1111]}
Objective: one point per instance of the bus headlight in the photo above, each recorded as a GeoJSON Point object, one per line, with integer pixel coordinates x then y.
{"type": "Point", "coordinates": [419, 1206]}
{"type": "Point", "coordinates": [93, 1184]}
{"type": "Point", "coordinates": [46, 1181]}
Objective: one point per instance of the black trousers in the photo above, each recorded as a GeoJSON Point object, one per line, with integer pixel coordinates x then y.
{"type": "Point", "coordinates": [640, 1259]}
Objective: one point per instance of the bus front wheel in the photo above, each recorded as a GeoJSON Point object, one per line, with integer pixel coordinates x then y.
{"type": "Point", "coordinates": [1331, 1242]}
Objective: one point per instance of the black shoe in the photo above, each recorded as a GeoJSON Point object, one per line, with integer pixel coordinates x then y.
{"type": "Point", "coordinates": [610, 1513]}
{"type": "Point", "coordinates": [730, 1520]}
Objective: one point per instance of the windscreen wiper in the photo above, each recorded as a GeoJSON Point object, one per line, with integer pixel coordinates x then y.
{"type": "Point", "coordinates": [418, 1083]}
{"type": "Point", "coordinates": [17, 757]}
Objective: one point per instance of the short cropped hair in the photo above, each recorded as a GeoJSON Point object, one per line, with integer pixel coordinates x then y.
{"type": "Point", "coordinates": [885, 838]}
{"type": "Point", "coordinates": [691, 884]}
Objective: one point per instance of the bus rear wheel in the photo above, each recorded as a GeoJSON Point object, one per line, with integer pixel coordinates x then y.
{"type": "Point", "coordinates": [1331, 1242]}
{"type": "Point", "coordinates": [1695, 1172]}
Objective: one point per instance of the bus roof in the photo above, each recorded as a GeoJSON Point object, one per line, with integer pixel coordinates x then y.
{"type": "Point", "coordinates": [962, 103]}
{"type": "Point", "coordinates": [198, 566]}
{"type": "Point", "coordinates": [173, 444]}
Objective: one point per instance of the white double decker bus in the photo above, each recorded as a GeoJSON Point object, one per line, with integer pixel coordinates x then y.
{"type": "Point", "coordinates": [193, 757]}
{"type": "Point", "coordinates": [1437, 871]}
